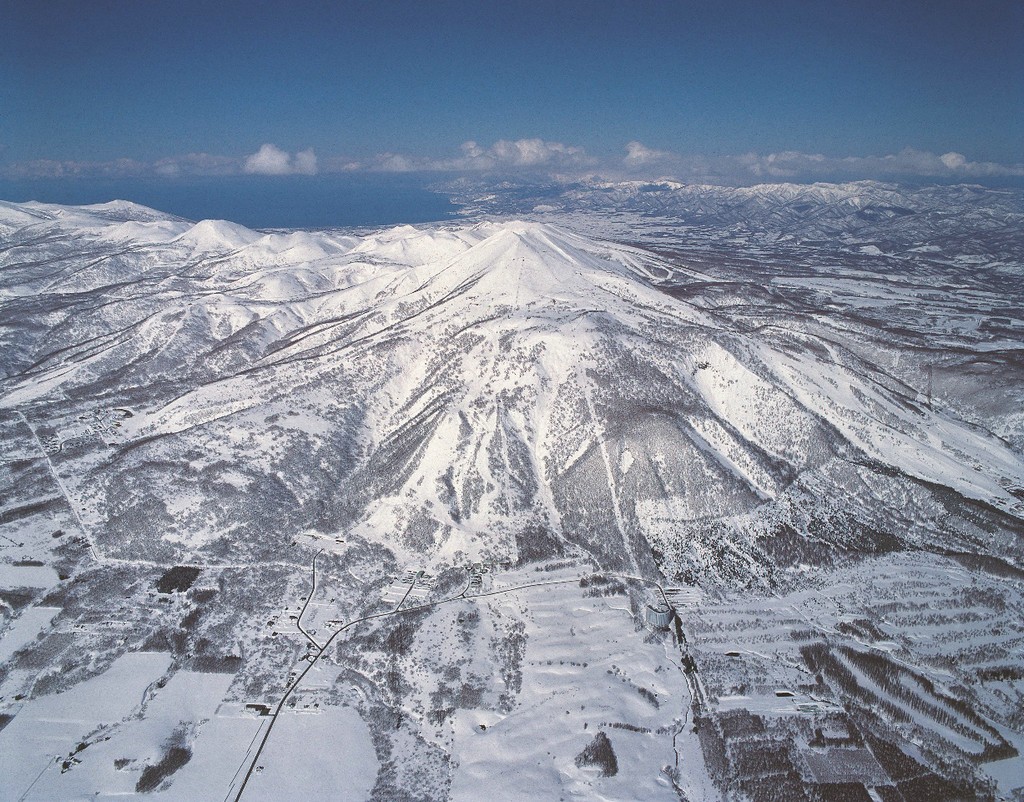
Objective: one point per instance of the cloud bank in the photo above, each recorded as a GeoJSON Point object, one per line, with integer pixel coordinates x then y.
{"type": "Point", "coordinates": [504, 156]}
{"type": "Point", "coordinates": [909, 164]}
{"type": "Point", "coordinates": [195, 164]}
{"type": "Point", "coordinates": [533, 158]}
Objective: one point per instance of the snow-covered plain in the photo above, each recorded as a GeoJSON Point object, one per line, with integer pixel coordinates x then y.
{"type": "Point", "coordinates": [446, 468]}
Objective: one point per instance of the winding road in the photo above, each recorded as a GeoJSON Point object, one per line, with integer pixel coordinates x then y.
{"type": "Point", "coordinates": [309, 598]}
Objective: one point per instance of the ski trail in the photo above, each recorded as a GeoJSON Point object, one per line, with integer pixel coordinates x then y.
{"type": "Point", "coordinates": [64, 491]}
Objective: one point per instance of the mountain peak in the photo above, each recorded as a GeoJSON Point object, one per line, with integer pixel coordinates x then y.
{"type": "Point", "coordinates": [218, 235]}
{"type": "Point", "coordinates": [493, 379]}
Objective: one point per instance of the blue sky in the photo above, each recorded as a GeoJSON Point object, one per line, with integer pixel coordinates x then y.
{"type": "Point", "coordinates": [731, 90]}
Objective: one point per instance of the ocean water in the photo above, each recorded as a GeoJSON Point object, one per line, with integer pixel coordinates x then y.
{"type": "Point", "coordinates": [258, 201]}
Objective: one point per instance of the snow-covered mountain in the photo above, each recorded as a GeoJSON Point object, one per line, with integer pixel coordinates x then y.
{"type": "Point", "coordinates": [426, 497]}
{"type": "Point", "coordinates": [502, 391]}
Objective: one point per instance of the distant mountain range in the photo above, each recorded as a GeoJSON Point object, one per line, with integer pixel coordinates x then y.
{"type": "Point", "coordinates": [967, 218]}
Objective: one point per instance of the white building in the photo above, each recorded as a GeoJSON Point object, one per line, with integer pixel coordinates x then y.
{"type": "Point", "coordinates": [660, 616]}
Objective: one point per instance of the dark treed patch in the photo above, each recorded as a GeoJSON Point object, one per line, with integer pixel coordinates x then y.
{"type": "Point", "coordinates": [178, 578]}
{"type": "Point", "coordinates": [157, 642]}
{"type": "Point", "coordinates": [843, 792]}
{"type": "Point", "coordinates": [5, 719]}
{"type": "Point", "coordinates": [620, 725]}
{"type": "Point", "coordinates": [600, 585]}
{"type": "Point", "coordinates": [16, 598]}
{"type": "Point", "coordinates": [740, 724]}
{"type": "Point", "coordinates": [862, 629]}
{"type": "Point", "coordinates": [508, 652]}
{"type": "Point", "coordinates": [989, 564]}
{"type": "Point", "coordinates": [28, 510]}
{"type": "Point", "coordinates": [775, 788]}
{"type": "Point", "coordinates": [932, 788]}
{"type": "Point", "coordinates": [399, 640]}
{"type": "Point", "coordinates": [173, 759]}
{"type": "Point", "coordinates": [216, 664]}
{"type": "Point", "coordinates": [439, 715]}
{"type": "Point", "coordinates": [1001, 673]}
{"type": "Point", "coordinates": [753, 759]}
{"type": "Point", "coordinates": [537, 543]}
{"type": "Point", "coordinates": [599, 753]}
{"type": "Point", "coordinates": [191, 618]}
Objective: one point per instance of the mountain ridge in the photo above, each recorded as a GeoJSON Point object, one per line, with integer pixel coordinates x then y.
{"type": "Point", "coordinates": [439, 487]}
{"type": "Point", "coordinates": [501, 390]}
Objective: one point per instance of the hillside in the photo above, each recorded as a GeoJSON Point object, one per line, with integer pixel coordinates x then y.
{"type": "Point", "coordinates": [413, 491]}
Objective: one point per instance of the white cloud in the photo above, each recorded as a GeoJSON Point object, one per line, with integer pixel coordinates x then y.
{"type": "Point", "coordinates": [531, 153]}
{"type": "Point", "coordinates": [954, 161]}
{"type": "Point", "coordinates": [271, 160]}
{"type": "Point", "coordinates": [505, 155]}
{"type": "Point", "coordinates": [397, 163]}
{"type": "Point", "coordinates": [958, 163]}
{"type": "Point", "coordinates": [471, 150]}
{"type": "Point", "coordinates": [639, 155]}
{"type": "Point", "coordinates": [305, 162]}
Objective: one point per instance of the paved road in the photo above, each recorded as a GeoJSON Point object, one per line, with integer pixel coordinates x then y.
{"type": "Point", "coordinates": [397, 610]}
{"type": "Point", "coordinates": [321, 649]}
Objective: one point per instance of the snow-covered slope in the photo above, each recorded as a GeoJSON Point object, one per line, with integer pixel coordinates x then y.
{"type": "Point", "coordinates": [409, 495]}
{"type": "Point", "coordinates": [506, 391]}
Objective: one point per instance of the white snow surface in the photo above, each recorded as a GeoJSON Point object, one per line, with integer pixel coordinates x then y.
{"type": "Point", "coordinates": [499, 367]}
{"type": "Point", "coordinates": [421, 400]}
